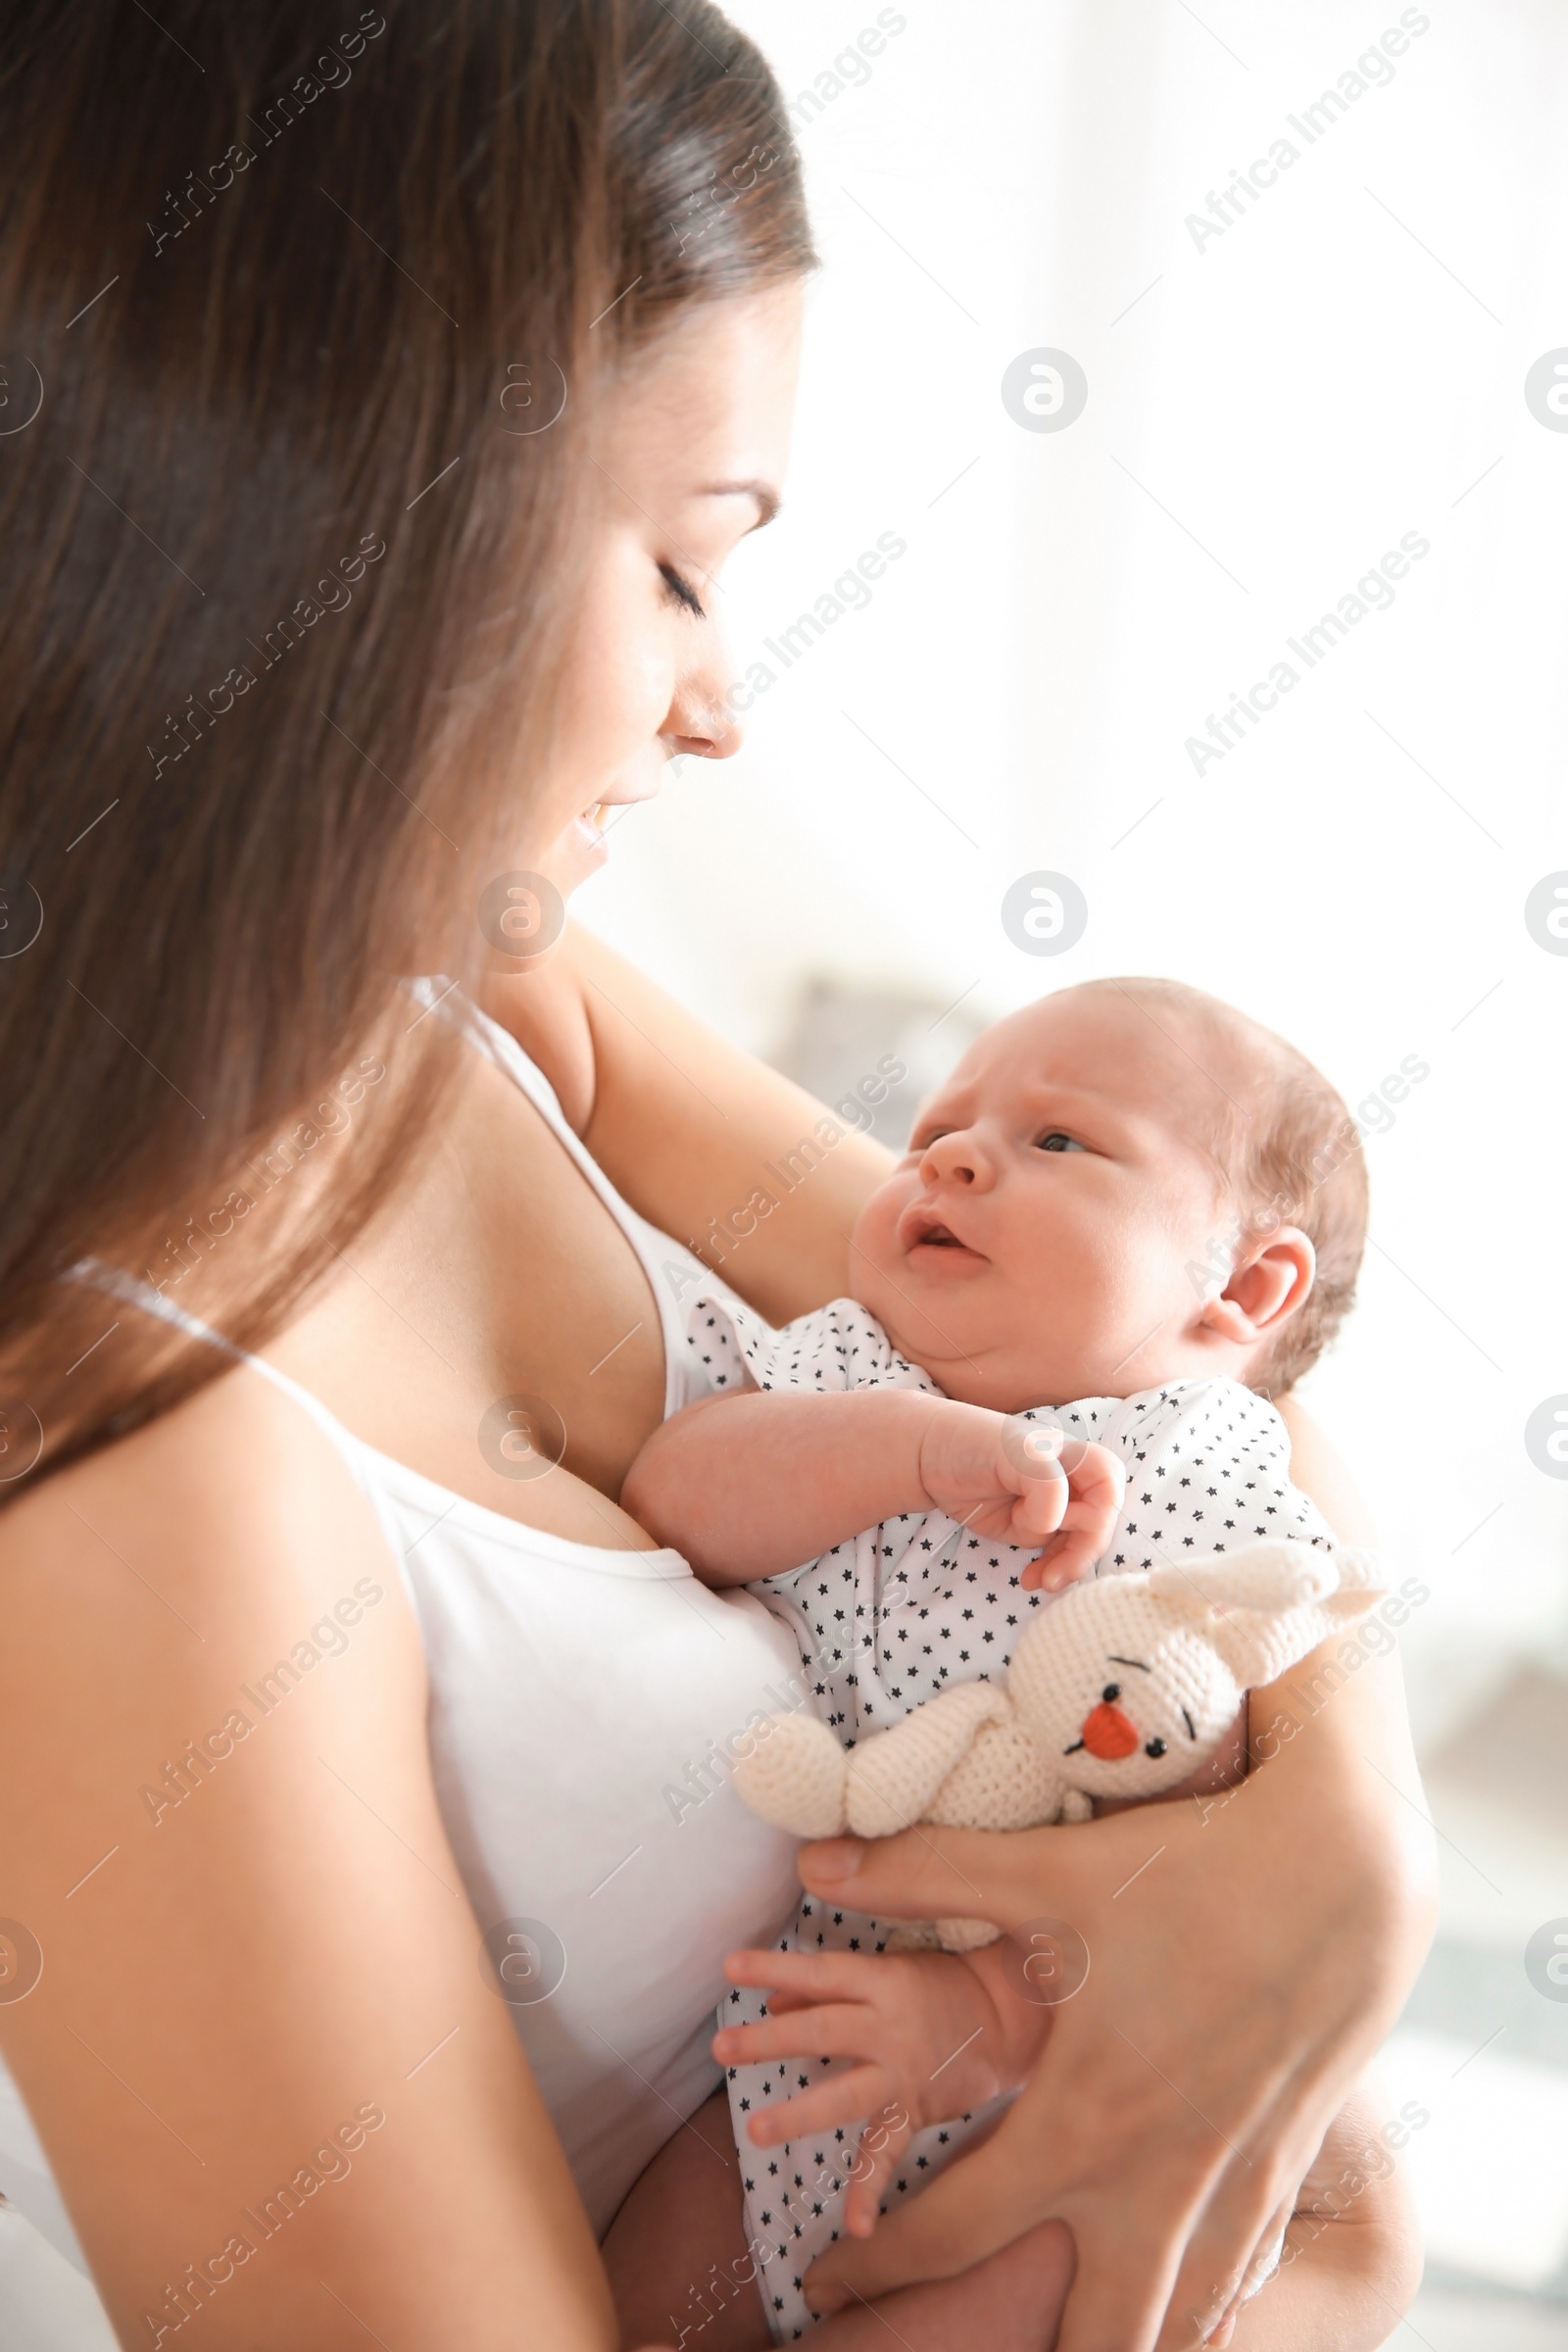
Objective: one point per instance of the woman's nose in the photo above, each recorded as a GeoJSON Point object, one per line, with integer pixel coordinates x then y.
{"type": "Point", "coordinates": [700, 720]}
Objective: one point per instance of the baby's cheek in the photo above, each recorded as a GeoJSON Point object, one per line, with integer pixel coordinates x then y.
{"type": "Point", "coordinates": [873, 1249]}
{"type": "Point", "coordinates": [1100, 1282]}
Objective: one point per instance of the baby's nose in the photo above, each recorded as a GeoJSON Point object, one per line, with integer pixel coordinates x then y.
{"type": "Point", "coordinates": [1107, 1733]}
{"type": "Point", "coordinates": [957, 1157]}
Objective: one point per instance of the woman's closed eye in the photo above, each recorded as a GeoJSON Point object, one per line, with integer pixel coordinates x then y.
{"type": "Point", "coordinates": [682, 591]}
{"type": "Point", "coordinates": [1057, 1141]}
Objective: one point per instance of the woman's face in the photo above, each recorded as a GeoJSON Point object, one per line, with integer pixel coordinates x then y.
{"type": "Point", "coordinates": [692, 461]}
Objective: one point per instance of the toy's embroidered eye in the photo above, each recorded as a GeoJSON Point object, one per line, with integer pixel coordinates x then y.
{"type": "Point", "coordinates": [1110, 1694]}
{"type": "Point", "coordinates": [1153, 1747]}
{"type": "Point", "coordinates": [1191, 1728]}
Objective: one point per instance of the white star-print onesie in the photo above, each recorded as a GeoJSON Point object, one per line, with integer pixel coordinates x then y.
{"type": "Point", "coordinates": [903, 1611]}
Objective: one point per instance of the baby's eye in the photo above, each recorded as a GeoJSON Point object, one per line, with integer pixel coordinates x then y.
{"type": "Point", "coordinates": [1056, 1141]}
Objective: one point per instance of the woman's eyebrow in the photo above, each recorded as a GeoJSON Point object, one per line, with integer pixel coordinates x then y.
{"type": "Point", "coordinates": [766, 497]}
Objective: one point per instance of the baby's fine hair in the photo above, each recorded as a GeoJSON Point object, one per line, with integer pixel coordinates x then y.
{"type": "Point", "coordinates": [1290, 1153]}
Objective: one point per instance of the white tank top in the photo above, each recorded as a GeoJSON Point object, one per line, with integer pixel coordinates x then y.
{"type": "Point", "coordinates": [577, 1696]}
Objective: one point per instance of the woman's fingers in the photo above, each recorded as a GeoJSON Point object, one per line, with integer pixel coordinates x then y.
{"type": "Point", "coordinates": [1249, 2205]}
{"type": "Point", "coordinates": [1231, 2244]}
{"type": "Point", "coordinates": [840, 2099]}
{"type": "Point", "coordinates": [1117, 2297]}
{"type": "Point", "coordinates": [1127, 2250]}
{"type": "Point", "coordinates": [946, 1874]}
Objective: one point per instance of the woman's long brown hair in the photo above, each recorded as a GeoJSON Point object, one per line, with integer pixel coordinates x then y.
{"type": "Point", "coordinates": [286, 294]}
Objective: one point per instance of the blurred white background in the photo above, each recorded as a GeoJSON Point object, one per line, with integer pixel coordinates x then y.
{"type": "Point", "coordinates": [1270, 409]}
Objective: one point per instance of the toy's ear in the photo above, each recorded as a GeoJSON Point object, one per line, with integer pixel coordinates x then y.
{"type": "Point", "coordinates": [1359, 1572]}
{"type": "Point", "coordinates": [1348, 1608]}
{"type": "Point", "coordinates": [1255, 1644]}
{"type": "Point", "coordinates": [1277, 1573]}
{"type": "Point", "coordinates": [1259, 1645]}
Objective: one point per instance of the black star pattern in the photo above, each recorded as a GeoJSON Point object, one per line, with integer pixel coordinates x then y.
{"type": "Point", "coordinates": [899, 1583]}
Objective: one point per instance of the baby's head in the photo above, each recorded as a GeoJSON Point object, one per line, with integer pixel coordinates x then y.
{"type": "Point", "coordinates": [1125, 1184]}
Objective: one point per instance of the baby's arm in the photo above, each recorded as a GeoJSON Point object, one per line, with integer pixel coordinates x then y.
{"type": "Point", "coordinates": [747, 1486]}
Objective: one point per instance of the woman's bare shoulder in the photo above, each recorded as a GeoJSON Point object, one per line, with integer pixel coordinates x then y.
{"type": "Point", "coordinates": [232, 1504]}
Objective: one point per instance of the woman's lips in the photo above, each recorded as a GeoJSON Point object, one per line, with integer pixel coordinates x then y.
{"type": "Point", "coordinates": [588, 834]}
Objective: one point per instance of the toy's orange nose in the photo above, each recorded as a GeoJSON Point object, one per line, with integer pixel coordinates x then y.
{"type": "Point", "coordinates": [1107, 1733]}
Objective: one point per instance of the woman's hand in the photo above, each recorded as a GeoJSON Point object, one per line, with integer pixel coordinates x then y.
{"type": "Point", "coordinates": [1244, 1962]}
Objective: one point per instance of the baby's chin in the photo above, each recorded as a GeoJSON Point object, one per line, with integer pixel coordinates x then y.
{"type": "Point", "coordinates": [964, 1364]}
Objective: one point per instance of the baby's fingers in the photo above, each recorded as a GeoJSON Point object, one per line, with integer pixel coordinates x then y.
{"type": "Point", "coordinates": [1037, 1510]}
{"type": "Point", "coordinates": [882, 2146]}
{"type": "Point", "coordinates": [811, 1976]}
{"type": "Point", "coordinates": [1067, 1557]}
{"type": "Point", "coordinates": [844, 2031]}
{"type": "Point", "coordinates": [1028, 1466]}
{"type": "Point", "coordinates": [1098, 1489]}
{"type": "Point", "coordinates": [839, 2099]}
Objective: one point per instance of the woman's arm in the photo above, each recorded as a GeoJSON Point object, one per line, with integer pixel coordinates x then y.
{"type": "Point", "coordinates": [1320, 1472]}
{"type": "Point", "coordinates": [707, 1143]}
{"type": "Point", "coordinates": [268, 2076]}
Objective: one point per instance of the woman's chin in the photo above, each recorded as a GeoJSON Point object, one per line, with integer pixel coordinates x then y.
{"type": "Point", "coordinates": [578, 852]}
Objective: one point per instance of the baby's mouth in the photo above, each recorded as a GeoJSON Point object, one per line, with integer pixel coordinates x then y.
{"type": "Point", "coordinates": [923, 1230]}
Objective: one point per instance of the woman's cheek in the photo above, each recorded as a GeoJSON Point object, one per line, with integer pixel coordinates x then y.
{"type": "Point", "coordinates": [619, 681]}
{"type": "Point", "coordinates": [644, 692]}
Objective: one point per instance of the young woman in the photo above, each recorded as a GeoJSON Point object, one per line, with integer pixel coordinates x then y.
{"type": "Point", "coordinates": [402, 395]}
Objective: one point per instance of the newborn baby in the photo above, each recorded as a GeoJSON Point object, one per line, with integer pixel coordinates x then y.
{"type": "Point", "coordinates": [1129, 1214]}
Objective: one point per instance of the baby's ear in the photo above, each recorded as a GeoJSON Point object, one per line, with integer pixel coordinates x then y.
{"type": "Point", "coordinates": [1265, 1290]}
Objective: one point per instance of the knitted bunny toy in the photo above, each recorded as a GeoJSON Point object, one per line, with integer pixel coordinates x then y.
{"type": "Point", "coordinates": [1121, 1688]}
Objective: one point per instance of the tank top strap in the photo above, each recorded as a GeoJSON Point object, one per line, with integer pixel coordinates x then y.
{"type": "Point", "coordinates": [133, 1292]}
{"type": "Point", "coordinates": [672, 1269]}
{"type": "Point", "coordinates": [446, 1000]}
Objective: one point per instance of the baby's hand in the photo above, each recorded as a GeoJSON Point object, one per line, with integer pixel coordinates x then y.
{"type": "Point", "coordinates": [1023, 1482]}
{"type": "Point", "coordinates": [928, 2038]}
